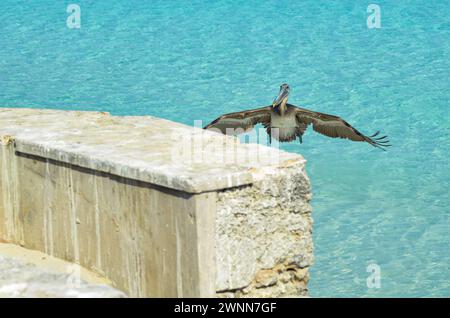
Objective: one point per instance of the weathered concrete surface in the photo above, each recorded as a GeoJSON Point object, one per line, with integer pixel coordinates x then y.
{"type": "Point", "coordinates": [137, 147]}
{"type": "Point", "coordinates": [25, 273]}
{"type": "Point", "coordinates": [159, 208]}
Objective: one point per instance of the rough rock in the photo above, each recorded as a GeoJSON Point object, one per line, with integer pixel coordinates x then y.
{"type": "Point", "coordinates": [264, 237]}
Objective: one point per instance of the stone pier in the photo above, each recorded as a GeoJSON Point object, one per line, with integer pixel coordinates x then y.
{"type": "Point", "coordinates": [158, 208]}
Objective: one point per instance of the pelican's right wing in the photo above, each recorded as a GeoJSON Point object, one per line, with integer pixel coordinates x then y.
{"type": "Point", "coordinates": [240, 122]}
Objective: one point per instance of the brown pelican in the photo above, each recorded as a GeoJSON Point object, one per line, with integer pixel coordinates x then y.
{"type": "Point", "coordinates": [286, 122]}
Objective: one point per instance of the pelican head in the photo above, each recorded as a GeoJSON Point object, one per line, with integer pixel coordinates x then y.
{"type": "Point", "coordinates": [282, 95]}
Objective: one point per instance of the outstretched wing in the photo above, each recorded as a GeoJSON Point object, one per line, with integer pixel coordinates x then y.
{"type": "Point", "coordinates": [335, 127]}
{"type": "Point", "coordinates": [240, 122]}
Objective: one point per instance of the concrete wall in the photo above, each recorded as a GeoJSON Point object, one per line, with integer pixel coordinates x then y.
{"type": "Point", "coordinates": [126, 198]}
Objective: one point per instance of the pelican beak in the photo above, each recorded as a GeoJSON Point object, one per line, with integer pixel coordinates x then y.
{"type": "Point", "coordinates": [282, 95]}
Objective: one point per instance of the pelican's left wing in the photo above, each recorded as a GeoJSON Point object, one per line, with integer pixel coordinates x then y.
{"type": "Point", "coordinates": [240, 122]}
{"type": "Point", "coordinates": [336, 127]}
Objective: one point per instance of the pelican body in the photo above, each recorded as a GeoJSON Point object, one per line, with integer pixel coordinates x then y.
{"type": "Point", "coordinates": [286, 122]}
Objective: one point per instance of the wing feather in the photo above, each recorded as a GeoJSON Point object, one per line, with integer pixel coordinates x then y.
{"type": "Point", "coordinates": [240, 122]}
{"type": "Point", "coordinates": [335, 127]}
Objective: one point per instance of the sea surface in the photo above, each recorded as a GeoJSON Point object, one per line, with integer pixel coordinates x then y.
{"type": "Point", "coordinates": [194, 60]}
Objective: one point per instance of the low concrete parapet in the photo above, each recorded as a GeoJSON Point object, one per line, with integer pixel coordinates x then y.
{"type": "Point", "coordinates": [158, 208]}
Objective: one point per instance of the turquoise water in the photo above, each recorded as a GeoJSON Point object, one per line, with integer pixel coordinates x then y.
{"type": "Point", "coordinates": [189, 60]}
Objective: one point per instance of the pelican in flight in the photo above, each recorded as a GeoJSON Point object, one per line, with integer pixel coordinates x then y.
{"type": "Point", "coordinates": [286, 122]}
